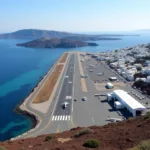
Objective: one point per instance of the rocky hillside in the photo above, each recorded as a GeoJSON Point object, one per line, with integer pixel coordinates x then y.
{"type": "Point", "coordinates": [34, 34]}
{"type": "Point", "coordinates": [37, 34]}
{"type": "Point", "coordinates": [114, 136]}
{"type": "Point", "coordinates": [56, 43]}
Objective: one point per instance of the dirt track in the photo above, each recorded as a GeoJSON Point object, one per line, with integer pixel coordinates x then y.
{"type": "Point", "coordinates": [64, 58]}
{"type": "Point", "coordinates": [48, 87]}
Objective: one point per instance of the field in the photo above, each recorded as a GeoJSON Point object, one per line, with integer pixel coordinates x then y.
{"type": "Point", "coordinates": [48, 87]}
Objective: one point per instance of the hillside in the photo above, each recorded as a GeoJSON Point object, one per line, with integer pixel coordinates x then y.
{"type": "Point", "coordinates": [56, 43]}
{"type": "Point", "coordinates": [114, 136]}
{"type": "Point", "coordinates": [34, 34]}
{"type": "Point", "coordinates": [37, 34]}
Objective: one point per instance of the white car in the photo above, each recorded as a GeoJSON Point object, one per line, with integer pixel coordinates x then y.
{"type": "Point", "coordinates": [65, 104]}
{"type": "Point", "coordinates": [84, 99]}
{"type": "Point", "coordinates": [91, 70]}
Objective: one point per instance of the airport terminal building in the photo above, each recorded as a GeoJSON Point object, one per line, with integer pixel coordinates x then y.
{"type": "Point", "coordinates": [124, 100]}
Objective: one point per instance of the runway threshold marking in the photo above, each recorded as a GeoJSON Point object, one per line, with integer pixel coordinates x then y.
{"type": "Point", "coordinates": [61, 118]}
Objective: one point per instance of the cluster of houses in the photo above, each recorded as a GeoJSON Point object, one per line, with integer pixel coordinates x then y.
{"type": "Point", "coordinates": [124, 61]}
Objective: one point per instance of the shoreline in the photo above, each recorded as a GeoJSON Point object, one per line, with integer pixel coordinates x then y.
{"type": "Point", "coordinates": [21, 110]}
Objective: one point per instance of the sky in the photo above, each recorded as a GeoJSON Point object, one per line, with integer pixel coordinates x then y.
{"type": "Point", "coordinates": [74, 15]}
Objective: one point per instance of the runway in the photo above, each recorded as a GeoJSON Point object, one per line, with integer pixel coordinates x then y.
{"type": "Point", "coordinates": [65, 94]}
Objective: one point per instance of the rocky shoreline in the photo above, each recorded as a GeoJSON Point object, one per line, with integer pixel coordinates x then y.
{"type": "Point", "coordinates": [33, 117]}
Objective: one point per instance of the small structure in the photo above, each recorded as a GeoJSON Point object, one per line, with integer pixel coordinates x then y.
{"type": "Point", "coordinates": [109, 85]}
{"type": "Point", "coordinates": [118, 105]}
{"type": "Point", "coordinates": [109, 97]}
{"type": "Point", "coordinates": [113, 78]}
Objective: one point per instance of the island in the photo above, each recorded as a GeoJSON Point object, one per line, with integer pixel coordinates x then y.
{"type": "Point", "coordinates": [33, 34]}
{"type": "Point", "coordinates": [56, 43]}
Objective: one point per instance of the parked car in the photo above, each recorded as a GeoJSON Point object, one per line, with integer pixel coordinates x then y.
{"type": "Point", "coordinates": [84, 99]}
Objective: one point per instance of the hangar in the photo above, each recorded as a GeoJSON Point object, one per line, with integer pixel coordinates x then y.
{"type": "Point", "coordinates": [132, 105]}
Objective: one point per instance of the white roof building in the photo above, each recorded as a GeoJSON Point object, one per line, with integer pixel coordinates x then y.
{"type": "Point", "coordinates": [148, 79]}
{"type": "Point", "coordinates": [129, 102]}
{"type": "Point", "coordinates": [146, 70]}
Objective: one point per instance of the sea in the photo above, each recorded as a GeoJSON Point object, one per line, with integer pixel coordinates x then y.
{"type": "Point", "coordinates": [22, 68]}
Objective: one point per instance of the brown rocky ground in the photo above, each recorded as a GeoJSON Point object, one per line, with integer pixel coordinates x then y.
{"type": "Point", "coordinates": [114, 136]}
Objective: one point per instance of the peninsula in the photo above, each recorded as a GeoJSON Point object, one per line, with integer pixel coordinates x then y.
{"type": "Point", "coordinates": [56, 43]}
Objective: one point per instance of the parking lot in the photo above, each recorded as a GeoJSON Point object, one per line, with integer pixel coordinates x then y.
{"type": "Point", "coordinates": [94, 68]}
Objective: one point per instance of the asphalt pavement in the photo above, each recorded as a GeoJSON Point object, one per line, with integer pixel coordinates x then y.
{"type": "Point", "coordinates": [94, 111]}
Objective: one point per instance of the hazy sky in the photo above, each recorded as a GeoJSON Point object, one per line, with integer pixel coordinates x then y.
{"type": "Point", "coordinates": [75, 15]}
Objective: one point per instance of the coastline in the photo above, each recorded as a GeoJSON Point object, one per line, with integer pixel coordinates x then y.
{"type": "Point", "coordinates": [22, 110]}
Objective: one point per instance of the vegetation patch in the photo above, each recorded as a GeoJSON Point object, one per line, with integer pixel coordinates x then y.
{"type": "Point", "coordinates": [93, 143]}
{"type": "Point", "coordinates": [2, 148]}
{"type": "Point", "coordinates": [83, 132]}
{"type": "Point", "coordinates": [145, 145]}
{"type": "Point", "coordinates": [147, 116]}
{"type": "Point", "coordinates": [48, 138]}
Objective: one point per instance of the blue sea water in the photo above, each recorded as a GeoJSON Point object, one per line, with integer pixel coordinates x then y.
{"type": "Point", "coordinates": [21, 69]}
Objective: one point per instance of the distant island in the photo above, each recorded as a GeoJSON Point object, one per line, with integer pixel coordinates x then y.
{"type": "Point", "coordinates": [33, 34]}
{"type": "Point", "coordinates": [56, 43]}
{"type": "Point", "coordinates": [55, 39]}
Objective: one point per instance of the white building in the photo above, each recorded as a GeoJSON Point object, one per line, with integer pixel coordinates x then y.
{"type": "Point", "coordinates": [130, 77]}
{"type": "Point", "coordinates": [146, 70]}
{"type": "Point", "coordinates": [137, 65]}
{"type": "Point", "coordinates": [147, 63]}
{"type": "Point", "coordinates": [114, 65]}
{"type": "Point", "coordinates": [148, 79]}
{"type": "Point", "coordinates": [132, 105]}
{"type": "Point", "coordinates": [118, 105]}
{"type": "Point", "coordinates": [141, 79]}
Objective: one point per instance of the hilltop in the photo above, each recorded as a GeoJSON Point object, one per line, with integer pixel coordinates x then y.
{"type": "Point", "coordinates": [114, 136]}
{"type": "Point", "coordinates": [34, 34]}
